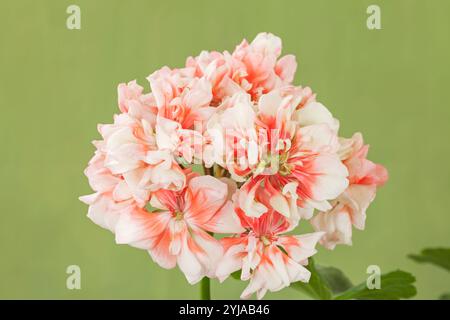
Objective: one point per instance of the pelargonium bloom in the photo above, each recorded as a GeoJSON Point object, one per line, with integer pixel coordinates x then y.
{"type": "Point", "coordinates": [122, 170]}
{"type": "Point", "coordinates": [130, 150]}
{"type": "Point", "coordinates": [253, 68]}
{"type": "Point", "coordinates": [302, 147]}
{"type": "Point", "coordinates": [263, 69]}
{"type": "Point", "coordinates": [176, 233]}
{"type": "Point", "coordinates": [271, 156]}
{"type": "Point", "coordinates": [183, 105]}
{"type": "Point", "coordinates": [270, 259]}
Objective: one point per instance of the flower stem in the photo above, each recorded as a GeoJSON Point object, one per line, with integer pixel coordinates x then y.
{"type": "Point", "coordinates": [205, 289]}
{"type": "Point", "coordinates": [208, 171]}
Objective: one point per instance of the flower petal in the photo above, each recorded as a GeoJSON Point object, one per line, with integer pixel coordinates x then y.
{"type": "Point", "coordinates": [141, 229]}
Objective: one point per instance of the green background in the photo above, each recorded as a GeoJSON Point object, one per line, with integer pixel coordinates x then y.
{"type": "Point", "coordinates": [57, 84]}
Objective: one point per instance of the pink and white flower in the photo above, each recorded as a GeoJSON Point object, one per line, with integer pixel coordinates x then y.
{"type": "Point", "coordinates": [130, 150]}
{"type": "Point", "coordinates": [263, 69]}
{"type": "Point", "coordinates": [349, 208]}
{"type": "Point", "coordinates": [112, 195]}
{"type": "Point", "coordinates": [177, 232]}
{"type": "Point", "coordinates": [183, 105]}
{"type": "Point", "coordinates": [266, 256]}
{"type": "Point", "coordinates": [253, 68]}
{"type": "Point", "coordinates": [138, 105]}
{"type": "Point", "coordinates": [271, 156]}
{"type": "Point", "coordinates": [269, 149]}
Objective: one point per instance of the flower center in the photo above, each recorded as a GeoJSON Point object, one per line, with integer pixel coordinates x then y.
{"type": "Point", "coordinates": [178, 215]}
{"type": "Point", "coordinates": [279, 162]}
{"type": "Point", "coordinates": [265, 240]}
{"type": "Point", "coordinates": [285, 170]}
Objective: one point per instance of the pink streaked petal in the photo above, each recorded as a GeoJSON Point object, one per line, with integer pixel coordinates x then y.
{"type": "Point", "coordinates": [122, 192]}
{"type": "Point", "coordinates": [296, 271]}
{"type": "Point", "coordinates": [193, 259]}
{"type": "Point", "coordinates": [337, 226]}
{"type": "Point", "coordinates": [126, 92]}
{"type": "Point", "coordinates": [286, 68]}
{"type": "Point", "coordinates": [204, 197]}
{"type": "Point", "coordinates": [330, 177]}
{"type": "Point", "coordinates": [318, 138]}
{"type": "Point", "coordinates": [232, 258]}
{"type": "Point", "coordinates": [101, 179]}
{"type": "Point", "coordinates": [245, 199]}
{"type": "Point", "coordinates": [104, 211]}
{"type": "Point", "coordinates": [378, 176]}
{"type": "Point", "coordinates": [160, 252]}
{"type": "Point", "coordinates": [314, 113]}
{"type": "Point", "coordinates": [264, 278]}
{"type": "Point", "coordinates": [200, 95]}
{"type": "Point", "coordinates": [357, 199]}
{"type": "Point", "coordinates": [167, 133]}
{"type": "Point", "coordinates": [224, 221]}
{"type": "Point", "coordinates": [299, 248]}
{"type": "Point", "coordinates": [141, 229]}
{"type": "Point", "coordinates": [269, 104]}
{"type": "Point", "coordinates": [211, 251]}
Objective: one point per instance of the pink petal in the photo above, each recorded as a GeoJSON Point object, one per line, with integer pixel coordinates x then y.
{"type": "Point", "coordinates": [204, 197]}
{"type": "Point", "coordinates": [286, 67]}
{"type": "Point", "coordinates": [224, 221]}
{"type": "Point", "coordinates": [141, 229]}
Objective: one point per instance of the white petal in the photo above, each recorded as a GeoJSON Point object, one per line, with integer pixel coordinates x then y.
{"type": "Point", "coordinates": [315, 113]}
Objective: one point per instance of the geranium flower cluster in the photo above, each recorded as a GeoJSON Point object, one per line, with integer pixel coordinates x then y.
{"type": "Point", "coordinates": [271, 158]}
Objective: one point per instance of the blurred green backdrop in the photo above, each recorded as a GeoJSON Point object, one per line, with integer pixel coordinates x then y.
{"type": "Point", "coordinates": [57, 84]}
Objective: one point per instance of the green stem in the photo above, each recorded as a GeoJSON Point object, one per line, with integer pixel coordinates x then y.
{"type": "Point", "coordinates": [208, 171]}
{"type": "Point", "coordinates": [205, 289]}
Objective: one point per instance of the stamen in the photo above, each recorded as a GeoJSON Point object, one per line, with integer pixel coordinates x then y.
{"type": "Point", "coordinates": [178, 215]}
{"type": "Point", "coordinates": [265, 240]}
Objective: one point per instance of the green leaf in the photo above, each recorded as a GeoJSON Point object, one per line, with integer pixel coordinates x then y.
{"type": "Point", "coordinates": [336, 280]}
{"type": "Point", "coordinates": [394, 285]}
{"type": "Point", "coordinates": [445, 296]}
{"type": "Point", "coordinates": [317, 287]}
{"type": "Point", "coordinates": [437, 256]}
{"type": "Point", "coordinates": [236, 275]}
